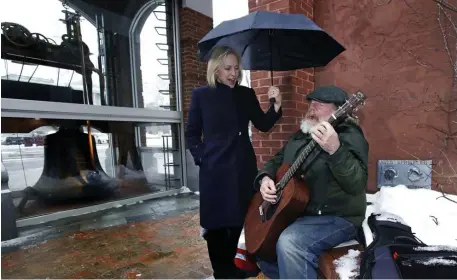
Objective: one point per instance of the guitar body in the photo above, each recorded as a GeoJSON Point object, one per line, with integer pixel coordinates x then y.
{"type": "Point", "coordinates": [261, 236]}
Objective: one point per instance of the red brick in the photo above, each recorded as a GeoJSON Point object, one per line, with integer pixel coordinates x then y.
{"type": "Point", "coordinates": [263, 98]}
{"type": "Point", "coordinates": [271, 143]}
{"type": "Point", "coordinates": [308, 85]}
{"type": "Point", "coordinates": [263, 151]}
{"type": "Point", "coordinates": [280, 136]}
{"type": "Point", "coordinates": [291, 113]}
{"type": "Point", "coordinates": [301, 106]}
{"type": "Point", "coordinates": [276, 128]}
{"type": "Point", "coordinates": [264, 158]}
{"type": "Point", "coordinates": [266, 82]}
{"type": "Point", "coordinates": [285, 89]}
{"type": "Point", "coordinates": [254, 84]}
{"type": "Point", "coordinates": [288, 120]}
{"type": "Point", "coordinates": [256, 143]}
{"type": "Point", "coordinates": [283, 73]}
{"type": "Point", "coordinates": [297, 98]}
{"type": "Point", "coordinates": [257, 75]}
{"type": "Point", "coordinates": [289, 128]}
{"type": "Point", "coordinates": [274, 151]}
{"type": "Point", "coordinates": [193, 26]}
{"type": "Point", "coordinates": [277, 5]}
{"type": "Point", "coordinates": [284, 10]}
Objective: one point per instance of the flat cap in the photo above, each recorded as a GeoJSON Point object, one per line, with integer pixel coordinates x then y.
{"type": "Point", "coordinates": [328, 94]}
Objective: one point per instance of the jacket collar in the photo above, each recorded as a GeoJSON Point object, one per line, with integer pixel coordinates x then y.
{"type": "Point", "coordinates": [301, 135]}
{"type": "Point", "coordinates": [224, 86]}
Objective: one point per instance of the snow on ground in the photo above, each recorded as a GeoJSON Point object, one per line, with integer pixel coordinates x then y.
{"type": "Point", "coordinates": [438, 261]}
{"type": "Point", "coordinates": [437, 248]}
{"type": "Point", "coordinates": [347, 266]}
{"type": "Point", "coordinates": [430, 216]}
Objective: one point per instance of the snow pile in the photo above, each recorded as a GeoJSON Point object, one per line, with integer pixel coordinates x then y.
{"type": "Point", "coordinates": [438, 261]}
{"type": "Point", "coordinates": [430, 215]}
{"type": "Point", "coordinates": [436, 248]}
{"type": "Point", "coordinates": [347, 266]}
{"type": "Point", "coordinates": [386, 216]}
{"type": "Point", "coordinates": [19, 240]}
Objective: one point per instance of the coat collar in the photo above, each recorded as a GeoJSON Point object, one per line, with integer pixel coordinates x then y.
{"type": "Point", "coordinates": [300, 135]}
{"type": "Point", "coordinates": [224, 86]}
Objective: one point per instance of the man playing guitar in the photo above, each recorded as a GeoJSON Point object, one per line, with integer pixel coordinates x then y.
{"type": "Point", "coordinates": [336, 180]}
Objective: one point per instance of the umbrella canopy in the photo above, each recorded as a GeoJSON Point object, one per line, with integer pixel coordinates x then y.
{"type": "Point", "coordinates": [273, 41]}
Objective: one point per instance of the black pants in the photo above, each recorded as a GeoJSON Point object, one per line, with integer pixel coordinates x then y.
{"type": "Point", "coordinates": [222, 245]}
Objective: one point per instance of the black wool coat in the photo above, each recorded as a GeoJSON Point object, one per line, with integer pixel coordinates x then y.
{"type": "Point", "coordinates": [218, 139]}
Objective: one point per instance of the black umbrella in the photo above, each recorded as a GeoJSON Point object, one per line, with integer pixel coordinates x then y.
{"type": "Point", "coordinates": [273, 41]}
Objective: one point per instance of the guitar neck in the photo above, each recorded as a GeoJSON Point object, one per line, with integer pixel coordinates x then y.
{"type": "Point", "coordinates": [297, 163]}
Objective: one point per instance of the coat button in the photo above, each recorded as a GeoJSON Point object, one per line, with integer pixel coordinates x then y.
{"type": "Point", "coordinates": [239, 133]}
{"type": "Point", "coordinates": [302, 176]}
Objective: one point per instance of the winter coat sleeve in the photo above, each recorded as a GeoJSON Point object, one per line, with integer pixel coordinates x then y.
{"type": "Point", "coordinates": [194, 129]}
{"type": "Point", "coordinates": [349, 164]}
{"type": "Point", "coordinates": [262, 121]}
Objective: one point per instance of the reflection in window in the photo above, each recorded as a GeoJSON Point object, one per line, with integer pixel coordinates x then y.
{"type": "Point", "coordinates": [55, 167]}
{"type": "Point", "coordinates": [23, 155]}
{"type": "Point", "coordinates": [50, 31]}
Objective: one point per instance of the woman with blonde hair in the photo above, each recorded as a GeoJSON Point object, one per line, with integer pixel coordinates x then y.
{"type": "Point", "coordinates": [218, 139]}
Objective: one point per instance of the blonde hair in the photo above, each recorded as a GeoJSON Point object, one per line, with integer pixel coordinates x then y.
{"type": "Point", "coordinates": [217, 57]}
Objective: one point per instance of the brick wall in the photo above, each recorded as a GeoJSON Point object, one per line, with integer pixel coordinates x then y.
{"type": "Point", "coordinates": [294, 85]}
{"type": "Point", "coordinates": [396, 54]}
{"type": "Point", "coordinates": [193, 26]}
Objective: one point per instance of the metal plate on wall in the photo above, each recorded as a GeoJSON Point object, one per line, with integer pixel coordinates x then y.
{"type": "Point", "coordinates": [411, 173]}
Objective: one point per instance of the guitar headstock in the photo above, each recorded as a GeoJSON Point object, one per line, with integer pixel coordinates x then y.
{"type": "Point", "coordinates": [359, 100]}
{"type": "Point", "coordinates": [353, 104]}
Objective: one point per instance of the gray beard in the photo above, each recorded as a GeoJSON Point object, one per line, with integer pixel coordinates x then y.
{"type": "Point", "coordinates": [305, 126]}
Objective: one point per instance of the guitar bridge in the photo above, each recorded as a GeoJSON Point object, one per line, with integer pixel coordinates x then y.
{"type": "Point", "coordinates": [262, 216]}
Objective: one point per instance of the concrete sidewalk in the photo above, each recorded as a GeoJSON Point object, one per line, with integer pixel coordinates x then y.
{"type": "Point", "coordinates": [148, 246]}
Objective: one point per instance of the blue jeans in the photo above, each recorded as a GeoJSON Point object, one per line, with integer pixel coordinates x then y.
{"type": "Point", "coordinates": [301, 243]}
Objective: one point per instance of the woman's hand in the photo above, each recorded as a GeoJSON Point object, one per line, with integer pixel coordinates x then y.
{"type": "Point", "coordinates": [274, 92]}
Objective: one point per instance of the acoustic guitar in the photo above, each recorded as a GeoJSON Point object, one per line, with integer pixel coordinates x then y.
{"type": "Point", "coordinates": [265, 221]}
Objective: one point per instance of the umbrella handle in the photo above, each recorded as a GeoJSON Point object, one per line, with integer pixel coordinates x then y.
{"type": "Point", "coordinates": [272, 100]}
{"type": "Point", "coordinates": [270, 35]}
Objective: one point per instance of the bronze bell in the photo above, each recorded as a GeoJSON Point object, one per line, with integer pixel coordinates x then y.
{"type": "Point", "coordinates": [70, 170]}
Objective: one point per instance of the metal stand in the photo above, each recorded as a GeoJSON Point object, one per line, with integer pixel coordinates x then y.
{"type": "Point", "coordinates": [170, 164]}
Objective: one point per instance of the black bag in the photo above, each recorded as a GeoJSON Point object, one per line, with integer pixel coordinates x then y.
{"type": "Point", "coordinates": [396, 253]}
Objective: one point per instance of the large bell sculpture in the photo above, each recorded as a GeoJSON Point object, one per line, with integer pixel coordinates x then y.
{"type": "Point", "coordinates": [70, 170]}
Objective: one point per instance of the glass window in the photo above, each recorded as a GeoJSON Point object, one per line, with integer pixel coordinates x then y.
{"type": "Point", "coordinates": [156, 45]}
{"type": "Point", "coordinates": [54, 165]}
{"type": "Point", "coordinates": [42, 56]}
{"type": "Point", "coordinates": [125, 48]}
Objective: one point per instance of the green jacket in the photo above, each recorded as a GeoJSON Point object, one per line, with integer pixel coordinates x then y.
{"type": "Point", "coordinates": [336, 182]}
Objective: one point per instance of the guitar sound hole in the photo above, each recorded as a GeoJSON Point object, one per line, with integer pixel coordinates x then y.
{"type": "Point", "coordinates": [270, 211]}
